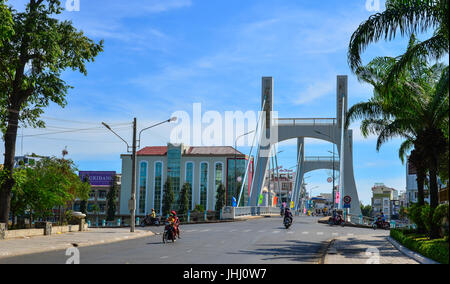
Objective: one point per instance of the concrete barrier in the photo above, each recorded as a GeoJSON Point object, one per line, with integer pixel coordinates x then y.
{"type": "Point", "coordinates": [44, 231]}
{"type": "Point", "coordinates": [244, 212]}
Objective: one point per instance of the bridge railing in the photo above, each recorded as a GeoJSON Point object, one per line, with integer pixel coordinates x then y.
{"type": "Point", "coordinates": [321, 159]}
{"type": "Point", "coordinates": [305, 121]}
{"type": "Point", "coordinates": [242, 212]}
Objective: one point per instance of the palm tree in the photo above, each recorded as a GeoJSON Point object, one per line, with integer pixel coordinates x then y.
{"type": "Point", "coordinates": [409, 17]}
{"type": "Point", "coordinates": [414, 107]}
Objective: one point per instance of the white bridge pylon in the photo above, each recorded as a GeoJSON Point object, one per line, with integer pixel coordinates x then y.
{"type": "Point", "coordinates": [277, 130]}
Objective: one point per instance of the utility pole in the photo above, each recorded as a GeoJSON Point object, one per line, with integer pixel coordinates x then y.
{"type": "Point", "coordinates": [132, 208]}
{"type": "Point", "coordinates": [132, 202]}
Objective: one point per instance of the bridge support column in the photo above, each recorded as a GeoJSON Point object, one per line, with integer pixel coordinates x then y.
{"type": "Point", "coordinates": [297, 191]}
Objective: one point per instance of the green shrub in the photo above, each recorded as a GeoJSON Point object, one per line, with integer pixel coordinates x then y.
{"type": "Point", "coordinates": [426, 216]}
{"type": "Point", "coordinates": [434, 249]}
{"type": "Point", "coordinates": [199, 208]}
{"type": "Point", "coordinates": [440, 217]}
{"type": "Point", "coordinates": [415, 215]}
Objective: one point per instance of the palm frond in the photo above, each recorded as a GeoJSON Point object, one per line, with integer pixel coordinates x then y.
{"type": "Point", "coordinates": [404, 148]}
{"type": "Point", "coordinates": [409, 17]}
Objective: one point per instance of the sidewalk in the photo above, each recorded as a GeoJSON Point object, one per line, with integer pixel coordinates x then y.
{"type": "Point", "coordinates": [30, 245]}
{"type": "Point", "coordinates": [365, 249]}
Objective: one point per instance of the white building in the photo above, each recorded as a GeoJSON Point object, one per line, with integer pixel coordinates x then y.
{"type": "Point", "coordinates": [411, 186]}
{"type": "Point", "coordinates": [204, 168]}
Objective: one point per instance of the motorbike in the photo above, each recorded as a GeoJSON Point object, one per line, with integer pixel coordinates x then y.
{"type": "Point", "coordinates": [337, 220]}
{"type": "Point", "coordinates": [169, 233]}
{"type": "Point", "coordinates": [287, 222]}
{"type": "Point", "coordinates": [149, 221]}
{"type": "Point", "coordinates": [380, 224]}
{"type": "Point", "coordinates": [282, 212]}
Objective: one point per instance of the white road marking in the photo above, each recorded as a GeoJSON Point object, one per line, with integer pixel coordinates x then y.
{"type": "Point", "coordinates": [305, 233]}
{"type": "Point", "coordinates": [189, 251]}
{"type": "Point", "coordinates": [164, 257]}
{"type": "Point", "coordinates": [350, 234]}
{"type": "Point", "coordinates": [247, 231]}
{"type": "Point", "coordinates": [276, 232]}
{"type": "Point", "coordinates": [319, 233]}
{"type": "Point", "coordinates": [262, 231]}
{"type": "Point", "coordinates": [335, 234]}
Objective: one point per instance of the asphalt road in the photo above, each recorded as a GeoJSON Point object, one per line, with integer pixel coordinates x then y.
{"type": "Point", "coordinates": [258, 241]}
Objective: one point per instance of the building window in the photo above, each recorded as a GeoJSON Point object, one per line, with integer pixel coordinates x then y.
{"type": "Point", "coordinates": [142, 188]}
{"type": "Point", "coordinates": [218, 176]}
{"type": "Point", "coordinates": [190, 179]}
{"type": "Point", "coordinates": [173, 171]}
{"type": "Point", "coordinates": [158, 187]}
{"type": "Point", "coordinates": [204, 184]}
{"type": "Point", "coordinates": [236, 172]}
{"type": "Point", "coordinates": [102, 194]}
{"type": "Point", "coordinates": [102, 208]}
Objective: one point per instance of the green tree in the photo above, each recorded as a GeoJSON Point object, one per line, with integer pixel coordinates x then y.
{"type": "Point", "coordinates": [96, 209]}
{"type": "Point", "coordinates": [366, 210]}
{"type": "Point", "coordinates": [6, 29]}
{"type": "Point", "coordinates": [112, 202]}
{"type": "Point", "coordinates": [31, 62]}
{"type": "Point", "coordinates": [168, 197]}
{"type": "Point", "coordinates": [84, 201]}
{"type": "Point", "coordinates": [414, 107]}
{"type": "Point", "coordinates": [409, 17]}
{"type": "Point", "coordinates": [220, 199]}
{"type": "Point", "coordinates": [184, 199]}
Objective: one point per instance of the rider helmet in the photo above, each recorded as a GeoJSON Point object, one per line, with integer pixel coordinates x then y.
{"type": "Point", "coordinates": [173, 213]}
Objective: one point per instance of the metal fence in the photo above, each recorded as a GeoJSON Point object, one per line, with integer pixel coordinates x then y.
{"type": "Point", "coordinates": [305, 121]}
{"type": "Point", "coordinates": [239, 212]}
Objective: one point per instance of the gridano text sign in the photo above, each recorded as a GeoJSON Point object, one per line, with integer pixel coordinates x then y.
{"type": "Point", "coordinates": [98, 178]}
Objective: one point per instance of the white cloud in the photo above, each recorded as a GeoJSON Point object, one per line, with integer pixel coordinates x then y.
{"type": "Point", "coordinates": [316, 91]}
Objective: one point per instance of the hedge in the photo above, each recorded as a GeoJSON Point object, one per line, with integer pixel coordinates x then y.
{"type": "Point", "coordinates": [434, 249]}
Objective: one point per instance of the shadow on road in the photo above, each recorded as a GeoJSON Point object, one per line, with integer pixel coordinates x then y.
{"type": "Point", "coordinates": [357, 248]}
{"type": "Point", "coordinates": [294, 251]}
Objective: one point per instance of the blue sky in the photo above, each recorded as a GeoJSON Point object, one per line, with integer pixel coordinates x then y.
{"type": "Point", "coordinates": [161, 56]}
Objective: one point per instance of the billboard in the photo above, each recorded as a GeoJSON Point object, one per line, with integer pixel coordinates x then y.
{"type": "Point", "coordinates": [98, 178]}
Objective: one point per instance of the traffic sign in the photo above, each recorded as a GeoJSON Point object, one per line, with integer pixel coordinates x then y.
{"type": "Point", "coordinates": [330, 180]}
{"type": "Point", "coordinates": [347, 199]}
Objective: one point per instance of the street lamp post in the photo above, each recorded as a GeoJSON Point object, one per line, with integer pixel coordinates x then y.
{"type": "Point", "coordinates": [332, 191]}
{"type": "Point", "coordinates": [235, 163]}
{"type": "Point", "coordinates": [132, 201]}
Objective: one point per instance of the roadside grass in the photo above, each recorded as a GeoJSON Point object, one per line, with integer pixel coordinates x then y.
{"type": "Point", "coordinates": [437, 249]}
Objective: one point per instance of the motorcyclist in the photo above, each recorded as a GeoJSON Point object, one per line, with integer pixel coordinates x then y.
{"type": "Point", "coordinates": [153, 216]}
{"type": "Point", "coordinates": [172, 223]}
{"type": "Point", "coordinates": [283, 206]}
{"type": "Point", "coordinates": [176, 223]}
{"type": "Point", "coordinates": [288, 213]}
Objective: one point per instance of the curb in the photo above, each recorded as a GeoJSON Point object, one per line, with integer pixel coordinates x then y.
{"type": "Point", "coordinates": [84, 244]}
{"type": "Point", "coordinates": [349, 225]}
{"type": "Point", "coordinates": [411, 254]}
{"type": "Point", "coordinates": [324, 251]}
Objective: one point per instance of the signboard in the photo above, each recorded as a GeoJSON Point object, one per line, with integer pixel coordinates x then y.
{"type": "Point", "coordinates": [98, 178]}
{"type": "Point", "coordinates": [292, 204]}
{"type": "Point", "coordinates": [347, 199]}
{"type": "Point", "coordinates": [261, 198]}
